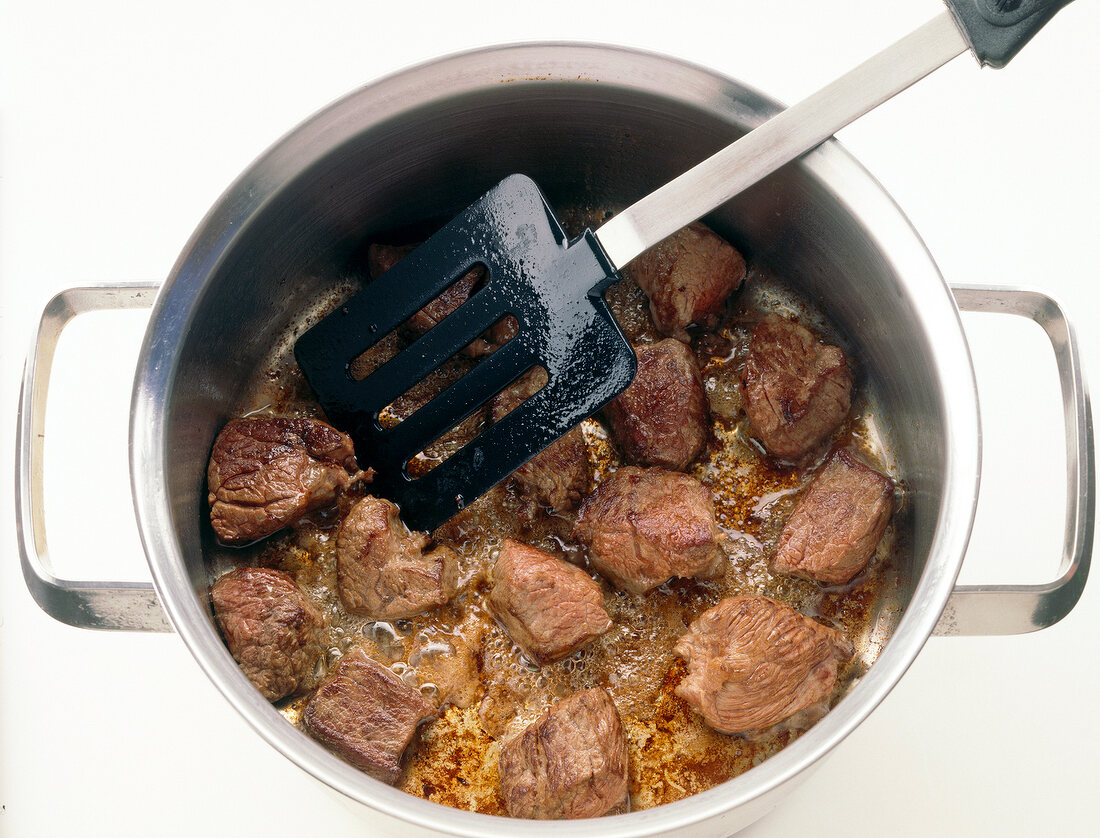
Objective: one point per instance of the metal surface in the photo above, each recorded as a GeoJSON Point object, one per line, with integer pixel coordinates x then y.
{"type": "Point", "coordinates": [130, 606]}
{"type": "Point", "coordinates": [1016, 609]}
{"type": "Point", "coordinates": [280, 239]}
{"type": "Point", "coordinates": [781, 139]}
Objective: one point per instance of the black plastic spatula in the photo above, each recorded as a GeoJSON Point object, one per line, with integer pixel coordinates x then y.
{"type": "Point", "coordinates": [554, 290]}
{"type": "Point", "coordinates": [554, 287]}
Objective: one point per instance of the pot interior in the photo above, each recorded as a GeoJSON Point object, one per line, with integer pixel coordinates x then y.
{"type": "Point", "coordinates": [423, 145]}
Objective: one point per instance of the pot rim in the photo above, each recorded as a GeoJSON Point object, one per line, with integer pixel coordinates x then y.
{"type": "Point", "coordinates": [863, 198]}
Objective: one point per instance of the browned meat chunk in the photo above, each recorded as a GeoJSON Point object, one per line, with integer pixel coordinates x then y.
{"type": "Point", "coordinates": [571, 763]}
{"type": "Point", "coordinates": [687, 278]}
{"type": "Point", "coordinates": [559, 476]}
{"type": "Point", "coordinates": [367, 715]}
{"type": "Point", "coordinates": [833, 532]}
{"type": "Point", "coordinates": [548, 606]}
{"type": "Point", "coordinates": [752, 662]}
{"type": "Point", "coordinates": [381, 257]}
{"type": "Point", "coordinates": [797, 390]}
{"type": "Point", "coordinates": [644, 526]}
{"type": "Point", "coordinates": [271, 628]}
{"type": "Point", "coordinates": [383, 571]}
{"type": "Point", "coordinates": [661, 419]}
{"type": "Point", "coordinates": [266, 473]}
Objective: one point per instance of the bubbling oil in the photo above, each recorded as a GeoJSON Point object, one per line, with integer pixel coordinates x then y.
{"type": "Point", "coordinates": [673, 753]}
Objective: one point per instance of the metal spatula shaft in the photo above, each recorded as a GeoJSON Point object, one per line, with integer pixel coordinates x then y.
{"type": "Point", "coordinates": [779, 140]}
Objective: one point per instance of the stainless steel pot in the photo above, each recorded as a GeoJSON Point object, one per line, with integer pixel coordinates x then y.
{"type": "Point", "coordinates": [607, 124]}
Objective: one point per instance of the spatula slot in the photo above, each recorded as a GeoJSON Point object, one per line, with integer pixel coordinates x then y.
{"type": "Point", "coordinates": [465, 395]}
{"type": "Point", "coordinates": [516, 393]}
{"type": "Point", "coordinates": [492, 410]}
{"type": "Point", "coordinates": [438, 379]}
{"type": "Point", "coordinates": [440, 307]}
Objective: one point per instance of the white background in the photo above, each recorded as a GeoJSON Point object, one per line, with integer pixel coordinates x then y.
{"type": "Point", "coordinates": [121, 123]}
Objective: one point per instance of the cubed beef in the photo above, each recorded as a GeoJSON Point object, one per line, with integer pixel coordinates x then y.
{"type": "Point", "coordinates": [271, 628]}
{"type": "Point", "coordinates": [687, 278]}
{"type": "Point", "coordinates": [381, 257]}
{"type": "Point", "coordinates": [385, 572]}
{"type": "Point", "coordinates": [797, 390]}
{"type": "Point", "coordinates": [548, 606]}
{"type": "Point", "coordinates": [559, 476]}
{"type": "Point", "coordinates": [266, 473]}
{"type": "Point", "coordinates": [366, 714]}
{"type": "Point", "coordinates": [661, 418]}
{"type": "Point", "coordinates": [752, 662]}
{"type": "Point", "coordinates": [833, 532]}
{"type": "Point", "coordinates": [571, 763]}
{"type": "Point", "coordinates": [644, 526]}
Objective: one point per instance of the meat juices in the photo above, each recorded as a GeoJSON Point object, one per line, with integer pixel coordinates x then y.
{"type": "Point", "coordinates": [366, 714]}
{"type": "Point", "coordinates": [797, 390]}
{"type": "Point", "coordinates": [644, 526]}
{"type": "Point", "coordinates": [687, 278]}
{"type": "Point", "coordinates": [752, 662]}
{"type": "Point", "coordinates": [833, 532]}
{"type": "Point", "coordinates": [271, 628]}
{"type": "Point", "coordinates": [571, 763]}
{"type": "Point", "coordinates": [383, 571]}
{"type": "Point", "coordinates": [661, 418]}
{"type": "Point", "coordinates": [557, 477]}
{"type": "Point", "coordinates": [448, 665]}
{"type": "Point", "coordinates": [266, 473]}
{"type": "Point", "coordinates": [548, 606]}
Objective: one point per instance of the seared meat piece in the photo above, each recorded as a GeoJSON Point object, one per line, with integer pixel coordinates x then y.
{"type": "Point", "coordinates": [644, 526]}
{"type": "Point", "coordinates": [661, 418]}
{"type": "Point", "coordinates": [687, 278]}
{"type": "Point", "coordinates": [797, 390]}
{"type": "Point", "coordinates": [367, 715]}
{"type": "Point", "coordinates": [271, 628]}
{"type": "Point", "coordinates": [752, 662]}
{"type": "Point", "coordinates": [381, 257]}
{"type": "Point", "coordinates": [548, 606]}
{"type": "Point", "coordinates": [571, 763]}
{"type": "Point", "coordinates": [267, 472]}
{"type": "Point", "coordinates": [559, 476]}
{"type": "Point", "coordinates": [383, 571]}
{"type": "Point", "coordinates": [833, 532]}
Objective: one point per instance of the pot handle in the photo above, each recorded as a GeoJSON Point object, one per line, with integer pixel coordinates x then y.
{"type": "Point", "coordinates": [130, 606]}
{"type": "Point", "coordinates": [1017, 609]}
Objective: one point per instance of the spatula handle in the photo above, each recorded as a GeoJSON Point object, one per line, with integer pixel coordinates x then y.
{"type": "Point", "coordinates": [801, 127]}
{"type": "Point", "coordinates": [779, 140]}
{"type": "Point", "coordinates": [998, 29]}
